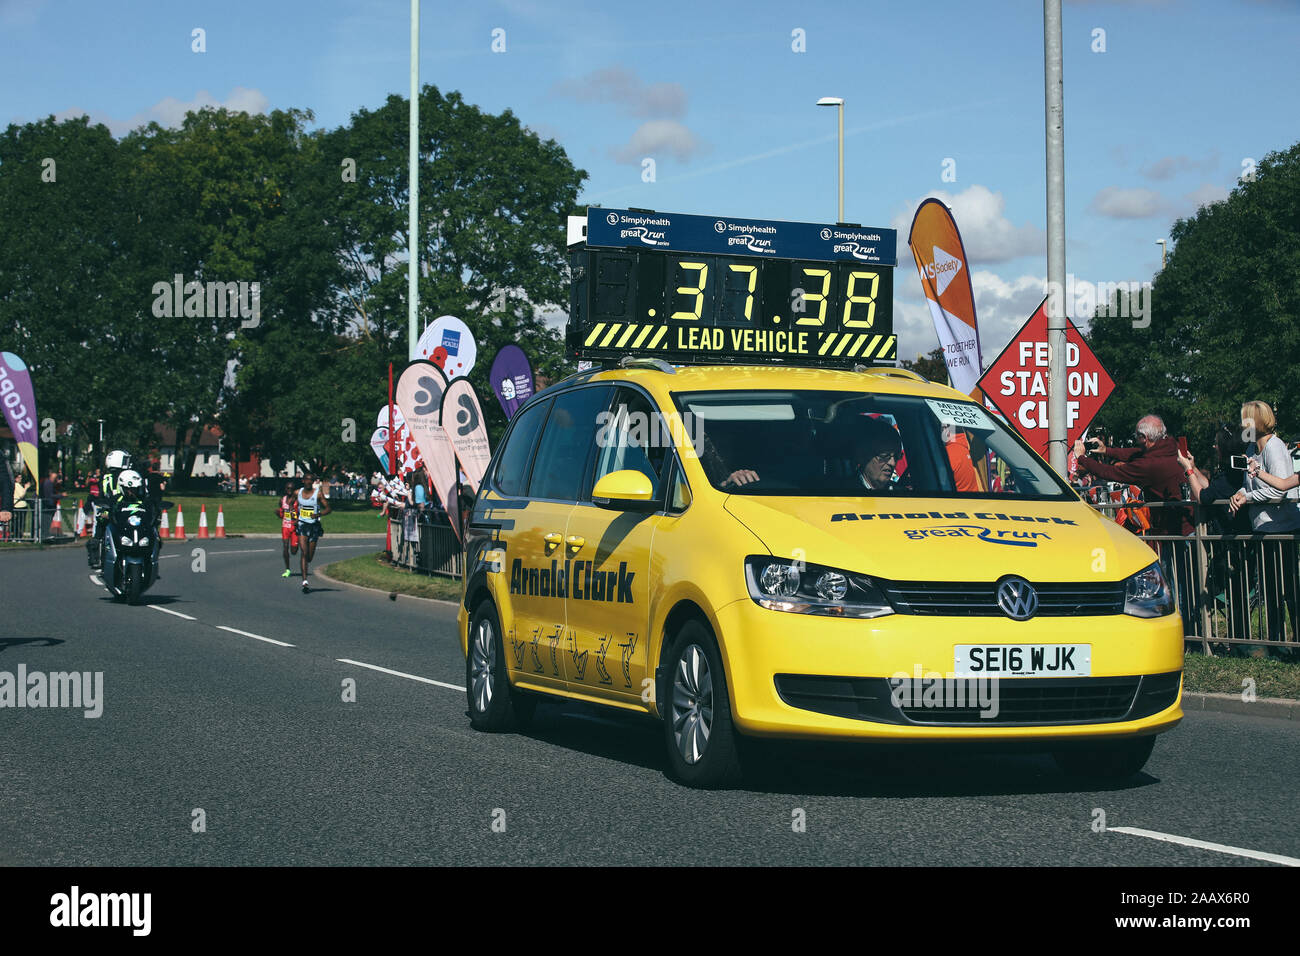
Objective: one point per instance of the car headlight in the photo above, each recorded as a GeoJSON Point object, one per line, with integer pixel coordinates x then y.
{"type": "Point", "coordinates": [1147, 594]}
{"type": "Point", "coordinates": [125, 539]}
{"type": "Point", "coordinates": [780, 584]}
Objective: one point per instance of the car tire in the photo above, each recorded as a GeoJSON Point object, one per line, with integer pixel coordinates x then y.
{"type": "Point", "coordinates": [494, 705]}
{"type": "Point", "coordinates": [1115, 760]}
{"type": "Point", "coordinates": [700, 737]}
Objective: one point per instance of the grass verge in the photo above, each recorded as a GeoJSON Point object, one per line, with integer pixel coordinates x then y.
{"type": "Point", "coordinates": [1224, 675]}
{"type": "Point", "coordinates": [372, 571]}
{"type": "Point", "coordinates": [255, 514]}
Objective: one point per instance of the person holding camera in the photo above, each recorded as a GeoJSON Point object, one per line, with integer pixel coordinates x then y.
{"type": "Point", "coordinates": [1274, 511]}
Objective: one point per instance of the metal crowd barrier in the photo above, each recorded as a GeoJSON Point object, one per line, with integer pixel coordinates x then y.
{"type": "Point", "coordinates": [434, 550]}
{"type": "Point", "coordinates": [31, 525]}
{"type": "Point", "coordinates": [1231, 589]}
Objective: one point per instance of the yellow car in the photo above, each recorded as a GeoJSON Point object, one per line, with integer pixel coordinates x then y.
{"type": "Point", "coordinates": [780, 552]}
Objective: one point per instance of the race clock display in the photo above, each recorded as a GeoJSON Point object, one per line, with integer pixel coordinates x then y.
{"type": "Point", "coordinates": [704, 289]}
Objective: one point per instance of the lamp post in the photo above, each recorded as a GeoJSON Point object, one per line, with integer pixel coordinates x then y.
{"type": "Point", "coordinates": [1161, 244]}
{"type": "Point", "coordinates": [838, 102]}
{"type": "Point", "coordinates": [413, 212]}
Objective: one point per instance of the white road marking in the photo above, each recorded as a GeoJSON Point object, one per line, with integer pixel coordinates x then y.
{"type": "Point", "coordinates": [173, 613]}
{"type": "Point", "coordinates": [1202, 845]}
{"type": "Point", "coordinates": [385, 670]}
{"type": "Point", "coordinates": [256, 637]}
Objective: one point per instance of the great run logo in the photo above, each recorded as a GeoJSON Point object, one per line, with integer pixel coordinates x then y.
{"type": "Point", "coordinates": [752, 244]}
{"type": "Point", "coordinates": [857, 250]}
{"type": "Point", "coordinates": [76, 909]}
{"type": "Point", "coordinates": [1009, 536]}
{"type": "Point", "coordinates": [649, 237]}
{"type": "Point", "coordinates": [77, 690]}
{"type": "Point", "coordinates": [942, 269]}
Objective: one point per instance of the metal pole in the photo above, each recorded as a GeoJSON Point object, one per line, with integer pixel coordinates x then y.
{"type": "Point", "coordinates": [841, 112]}
{"type": "Point", "coordinates": [413, 215]}
{"type": "Point", "coordinates": [1054, 119]}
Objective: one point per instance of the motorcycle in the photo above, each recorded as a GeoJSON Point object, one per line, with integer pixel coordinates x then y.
{"type": "Point", "coordinates": [130, 550]}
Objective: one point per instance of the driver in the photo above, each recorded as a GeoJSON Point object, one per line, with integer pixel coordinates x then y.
{"type": "Point", "coordinates": [876, 450]}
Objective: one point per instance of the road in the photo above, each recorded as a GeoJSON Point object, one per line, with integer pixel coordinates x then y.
{"type": "Point", "coordinates": [257, 735]}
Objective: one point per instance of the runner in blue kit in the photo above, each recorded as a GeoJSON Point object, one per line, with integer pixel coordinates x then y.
{"type": "Point", "coordinates": [312, 506]}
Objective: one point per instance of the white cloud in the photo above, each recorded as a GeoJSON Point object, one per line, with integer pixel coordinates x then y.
{"type": "Point", "coordinates": [657, 138]}
{"type": "Point", "coordinates": [1116, 203]}
{"type": "Point", "coordinates": [985, 230]}
{"type": "Point", "coordinates": [1167, 167]}
{"type": "Point", "coordinates": [170, 111]}
{"type": "Point", "coordinates": [1205, 194]}
{"type": "Point", "coordinates": [625, 89]}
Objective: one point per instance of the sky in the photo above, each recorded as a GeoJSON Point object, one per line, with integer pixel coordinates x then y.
{"type": "Point", "coordinates": [1167, 102]}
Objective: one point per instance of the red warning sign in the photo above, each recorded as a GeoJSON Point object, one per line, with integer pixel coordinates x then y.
{"type": "Point", "coordinates": [1017, 382]}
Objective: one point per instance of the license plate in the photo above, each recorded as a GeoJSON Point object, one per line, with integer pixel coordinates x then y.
{"type": "Point", "coordinates": [1022, 660]}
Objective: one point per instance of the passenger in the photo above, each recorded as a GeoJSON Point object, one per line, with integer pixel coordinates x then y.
{"type": "Point", "coordinates": [877, 449]}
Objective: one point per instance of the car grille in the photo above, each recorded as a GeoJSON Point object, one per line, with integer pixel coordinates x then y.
{"type": "Point", "coordinates": [979, 599]}
{"type": "Point", "coordinates": [1021, 701]}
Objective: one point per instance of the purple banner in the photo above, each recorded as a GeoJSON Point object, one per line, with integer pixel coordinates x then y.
{"type": "Point", "coordinates": [19, 401]}
{"type": "Point", "coordinates": [512, 378]}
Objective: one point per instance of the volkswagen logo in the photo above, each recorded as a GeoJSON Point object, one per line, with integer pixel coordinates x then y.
{"type": "Point", "coordinates": [1017, 599]}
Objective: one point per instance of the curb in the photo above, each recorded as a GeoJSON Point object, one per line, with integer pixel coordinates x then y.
{"type": "Point", "coordinates": [362, 587]}
{"type": "Point", "coordinates": [1275, 707]}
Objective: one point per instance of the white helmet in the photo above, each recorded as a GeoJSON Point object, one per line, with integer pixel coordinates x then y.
{"type": "Point", "coordinates": [130, 480]}
{"type": "Point", "coordinates": [118, 459]}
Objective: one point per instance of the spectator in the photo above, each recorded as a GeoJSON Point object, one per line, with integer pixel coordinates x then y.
{"type": "Point", "coordinates": [1272, 511]}
{"type": "Point", "coordinates": [7, 495]}
{"type": "Point", "coordinates": [1231, 564]}
{"type": "Point", "coordinates": [1152, 465]}
{"type": "Point", "coordinates": [50, 498]}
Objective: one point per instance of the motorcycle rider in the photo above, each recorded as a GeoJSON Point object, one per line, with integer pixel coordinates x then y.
{"type": "Point", "coordinates": [110, 495]}
{"type": "Point", "coordinates": [132, 489]}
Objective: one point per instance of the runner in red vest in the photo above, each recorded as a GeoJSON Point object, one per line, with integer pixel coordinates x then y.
{"type": "Point", "coordinates": [288, 512]}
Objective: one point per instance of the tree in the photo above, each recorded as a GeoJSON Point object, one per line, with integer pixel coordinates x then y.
{"type": "Point", "coordinates": [1225, 316]}
{"type": "Point", "coordinates": [931, 365]}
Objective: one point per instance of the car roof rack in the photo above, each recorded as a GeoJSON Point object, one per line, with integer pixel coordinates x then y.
{"type": "Point", "coordinates": [646, 361]}
{"type": "Point", "coordinates": [892, 372]}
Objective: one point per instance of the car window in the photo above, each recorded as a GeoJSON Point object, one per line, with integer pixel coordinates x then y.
{"type": "Point", "coordinates": [512, 467]}
{"type": "Point", "coordinates": [632, 436]}
{"type": "Point", "coordinates": [567, 442]}
{"type": "Point", "coordinates": [834, 443]}
{"type": "Point", "coordinates": [679, 493]}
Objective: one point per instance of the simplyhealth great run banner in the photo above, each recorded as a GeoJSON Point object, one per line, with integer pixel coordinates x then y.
{"type": "Point", "coordinates": [19, 401]}
{"type": "Point", "coordinates": [419, 396]}
{"type": "Point", "coordinates": [945, 278]}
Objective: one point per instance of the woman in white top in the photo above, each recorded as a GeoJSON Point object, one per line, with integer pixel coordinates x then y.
{"type": "Point", "coordinates": [1274, 509]}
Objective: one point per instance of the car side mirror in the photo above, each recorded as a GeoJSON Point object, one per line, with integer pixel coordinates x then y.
{"type": "Point", "coordinates": [626, 490]}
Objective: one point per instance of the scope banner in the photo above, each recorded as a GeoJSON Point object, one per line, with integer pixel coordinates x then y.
{"type": "Point", "coordinates": [462, 420]}
{"type": "Point", "coordinates": [19, 401]}
{"type": "Point", "coordinates": [512, 378]}
{"type": "Point", "coordinates": [419, 396]}
{"type": "Point", "coordinates": [379, 445]}
{"type": "Point", "coordinates": [407, 453]}
{"type": "Point", "coordinates": [945, 278]}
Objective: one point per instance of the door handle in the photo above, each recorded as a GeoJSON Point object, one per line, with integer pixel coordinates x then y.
{"type": "Point", "coordinates": [553, 539]}
{"type": "Point", "coordinates": [576, 541]}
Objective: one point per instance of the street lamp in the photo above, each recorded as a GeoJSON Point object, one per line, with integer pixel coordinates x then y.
{"type": "Point", "coordinates": [838, 101]}
{"type": "Point", "coordinates": [1161, 244]}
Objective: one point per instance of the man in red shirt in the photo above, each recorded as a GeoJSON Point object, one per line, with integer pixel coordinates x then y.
{"type": "Point", "coordinates": [1152, 465]}
{"type": "Point", "coordinates": [288, 514]}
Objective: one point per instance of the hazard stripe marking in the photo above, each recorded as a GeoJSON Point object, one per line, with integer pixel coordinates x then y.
{"type": "Point", "coordinates": [654, 342]}
{"type": "Point", "coordinates": [595, 333]}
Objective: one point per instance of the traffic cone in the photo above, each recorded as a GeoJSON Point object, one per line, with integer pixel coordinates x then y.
{"type": "Point", "coordinates": [81, 520]}
{"type": "Point", "coordinates": [221, 522]}
{"type": "Point", "coordinates": [56, 526]}
{"type": "Point", "coordinates": [164, 530]}
{"type": "Point", "coordinates": [203, 521]}
{"type": "Point", "coordinates": [180, 525]}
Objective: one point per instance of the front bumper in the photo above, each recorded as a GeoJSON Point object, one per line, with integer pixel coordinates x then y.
{"type": "Point", "coordinates": [804, 677]}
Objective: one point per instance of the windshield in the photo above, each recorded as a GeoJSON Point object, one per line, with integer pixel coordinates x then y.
{"type": "Point", "coordinates": [833, 444]}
